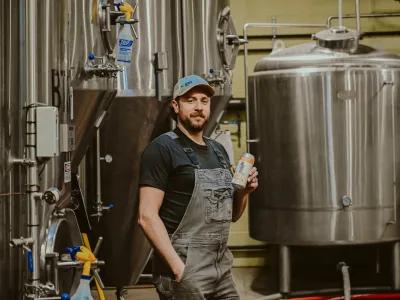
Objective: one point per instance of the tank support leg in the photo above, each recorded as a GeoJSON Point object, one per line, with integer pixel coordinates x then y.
{"type": "Point", "coordinates": [120, 293]}
{"type": "Point", "coordinates": [396, 266]}
{"type": "Point", "coordinates": [284, 269]}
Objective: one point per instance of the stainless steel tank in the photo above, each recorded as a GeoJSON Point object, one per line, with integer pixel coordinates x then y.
{"type": "Point", "coordinates": [205, 50]}
{"type": "Point", "coordinates": [79, 80]}
{"type": "Point", "coordinates": [324, 126]}
{"type": "Point", "coordinates": [44, 61]}
{"type": "Point", "coordinates": [175, 38]}
{"type": "Point", "coordinates": [136, 116]}
{"type": "Point", "coordinates": [12, 208]}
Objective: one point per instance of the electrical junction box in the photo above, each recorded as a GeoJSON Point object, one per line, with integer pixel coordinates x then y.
{"type": "Point", "coordinates": [47, 131]}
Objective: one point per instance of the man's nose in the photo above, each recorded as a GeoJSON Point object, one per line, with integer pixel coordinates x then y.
{"type": "Point", "coordinates": [198, 106]}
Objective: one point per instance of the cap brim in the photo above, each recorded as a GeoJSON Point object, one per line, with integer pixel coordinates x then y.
{"type": "Point", "coordinates": [206, 87]}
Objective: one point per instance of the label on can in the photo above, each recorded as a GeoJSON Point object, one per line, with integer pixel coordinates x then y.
{"type": "Point", "coordinates": [243, 169]}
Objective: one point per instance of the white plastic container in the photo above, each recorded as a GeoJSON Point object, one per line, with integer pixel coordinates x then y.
{"type": "Point", "coordinates": [124, 46]}
{"type": "Point", "coordinates": [83, 291]}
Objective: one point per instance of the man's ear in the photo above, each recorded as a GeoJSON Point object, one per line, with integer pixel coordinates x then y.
{"type": "Point", "coordinates": [175, 106]}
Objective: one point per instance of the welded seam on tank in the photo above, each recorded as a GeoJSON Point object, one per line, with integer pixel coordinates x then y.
{"type": "Point", "coordinates": [349, 139]}
{"type": "Point", "coordinates": [150, 48]}
{"type": "Point", "coordinates": [331, 161]}
{"type": "Point", "coordinates": [75, 28]}
{"type": "Point", "coordinates": [327, 209]}
{"type": "Point", "coordinates": [163, 46]}
{"type": "Point", "coordinates": [204, 24]}
{"type": "Point", "coordinates": [351, 77]}
{"type": "Point", "coordinates": [394, 153]}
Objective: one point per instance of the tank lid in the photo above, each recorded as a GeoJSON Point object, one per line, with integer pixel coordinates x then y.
{"type": "Point", "coordinates": [338, 38]}
{"type": "Point", "coordinates": [312, 55]}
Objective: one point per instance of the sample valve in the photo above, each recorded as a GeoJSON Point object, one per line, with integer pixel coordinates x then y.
{"type": "Point", "coordinates": [102, 69]}
{"type": "Point", "coordinates": [215, 78]}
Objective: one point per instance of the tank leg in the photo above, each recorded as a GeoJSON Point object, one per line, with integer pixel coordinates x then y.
{"type": "Point", "coordinates": [396, 266]}
{"type": "Point", "coordinates": [120, 293]}
{"type": "Point", "coordinates": [284, 269]}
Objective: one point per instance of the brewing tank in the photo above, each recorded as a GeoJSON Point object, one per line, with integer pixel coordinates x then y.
{"type": "Point", "coordinates": [175, 38]}
{"type": "Point", "coordinates": [324, 128]}
{"type": "Point", "coordinates": [12, 208]}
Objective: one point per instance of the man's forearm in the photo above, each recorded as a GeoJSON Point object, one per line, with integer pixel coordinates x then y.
{"type": "Point", "coordinates": [239, 205]}
{"type": "Point", "coordinates": [157, 234]}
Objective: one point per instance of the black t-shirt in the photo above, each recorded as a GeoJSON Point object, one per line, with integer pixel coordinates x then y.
{"type": "Point", "coordinates": [167, 167]}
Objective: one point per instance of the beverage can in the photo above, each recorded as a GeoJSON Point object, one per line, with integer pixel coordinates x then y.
{"type": "Point", "coordinates": [243, 169]}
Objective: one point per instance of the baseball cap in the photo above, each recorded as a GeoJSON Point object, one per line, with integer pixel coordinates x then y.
{"type": "Point", "coordinates": [185, 84]}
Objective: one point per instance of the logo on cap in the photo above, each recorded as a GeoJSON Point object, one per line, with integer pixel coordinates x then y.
{"type": "Point", "coordinates": [185, 84]}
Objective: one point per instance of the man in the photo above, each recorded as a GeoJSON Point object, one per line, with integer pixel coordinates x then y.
{"type": "Point", "coordinates": [187, 202]}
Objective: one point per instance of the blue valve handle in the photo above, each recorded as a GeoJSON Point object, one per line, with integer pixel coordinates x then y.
{"type": "Point", "coordinates": [211, 71]}
{"type": "Point", "coordinates": [65, 296]}
{"type": "Point", "coordinates": [91, 56]}
{"type": "Point", "coordinates": [111, 206]}
{"type": "Point", "coordinates": [72, 251]}
{"type": "Point", "coordinates": [30, 261]}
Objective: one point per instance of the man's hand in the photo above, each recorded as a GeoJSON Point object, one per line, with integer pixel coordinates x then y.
{"type": "Point", "coordinates": [178, 270]}
{"type": "Point", "coordinates": [240, 201]}
{"type": "Point", "coordinates": [252, 181]}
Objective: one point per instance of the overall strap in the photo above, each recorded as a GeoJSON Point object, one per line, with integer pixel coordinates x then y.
{"type": "Point", "coordinates": [219, 153]}
{"type": "Point", "coordinates": [189, 151]}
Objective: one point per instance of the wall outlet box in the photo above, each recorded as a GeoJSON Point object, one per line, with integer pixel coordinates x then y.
{"type": "Point", "coordinates": [47, 131]}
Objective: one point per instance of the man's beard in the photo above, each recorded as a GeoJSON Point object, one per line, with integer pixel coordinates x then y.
{"type": "Point", "coordinates": [192, 127]}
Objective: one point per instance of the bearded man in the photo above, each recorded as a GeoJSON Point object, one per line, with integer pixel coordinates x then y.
{"type": "Point", "coordinates": [187, 202]}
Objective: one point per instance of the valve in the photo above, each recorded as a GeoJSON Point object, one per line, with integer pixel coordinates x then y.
{"type": "Point", "coordinates": [24, 243]}
{"type": "Point", "coordinates": [107, 158]}
{"type": "Point", "coordinates": [99, 208]}
{"type": "Point", "coordinates": [215, 78]}
{"type": "Point", "coordinates": [105, 70]}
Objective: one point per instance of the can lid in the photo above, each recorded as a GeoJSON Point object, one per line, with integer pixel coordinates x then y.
{"type": "Point", "coordinates": [245, 154]}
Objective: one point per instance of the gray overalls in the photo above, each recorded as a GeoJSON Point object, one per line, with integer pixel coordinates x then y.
{"type": "Point", "coordinates": [201, 237]}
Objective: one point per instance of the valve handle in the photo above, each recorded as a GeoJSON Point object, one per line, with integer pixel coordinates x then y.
{"type": "Point", "coordinates": [65, 296]}
{"type": "Point", "coordinates": [30, 261]}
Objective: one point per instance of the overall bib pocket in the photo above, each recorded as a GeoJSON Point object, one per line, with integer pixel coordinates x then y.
{"type": "Point", "coordinates": [218, 204]}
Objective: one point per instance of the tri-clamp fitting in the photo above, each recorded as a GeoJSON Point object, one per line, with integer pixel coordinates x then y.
{"type": "Point", "coordinates": [21, 242]}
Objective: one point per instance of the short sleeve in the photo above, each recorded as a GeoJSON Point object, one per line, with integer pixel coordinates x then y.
{"type": "Point", "coordinates": [155, 166]}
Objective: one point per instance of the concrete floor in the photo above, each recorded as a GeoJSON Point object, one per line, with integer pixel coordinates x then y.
{"type": "Point", "coordinates": [250, 283]}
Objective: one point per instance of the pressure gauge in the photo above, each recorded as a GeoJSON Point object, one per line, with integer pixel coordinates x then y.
{"type": "Point", "coordinates": [346, 201]}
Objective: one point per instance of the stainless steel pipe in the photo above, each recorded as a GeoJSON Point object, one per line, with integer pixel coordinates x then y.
{"type": "Point", "coordinates": [284, 269]}
{"type": "Point", "coordinates": [396, 266]}
{"type": "Point", "coordinates": [383, 15]}
{"type": "Point", "coordinates": [264, 25]}
{"type": "Point", "coordinates": [31, 100]}
{"type": "Point", "coordinates": [98, 171]}
{"type": "Point", "coordinates": [340, 13]}
{"type": "Point", "coordinates": [78, 264]}
{"type": "Point", "coordinates": [358, 16]}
